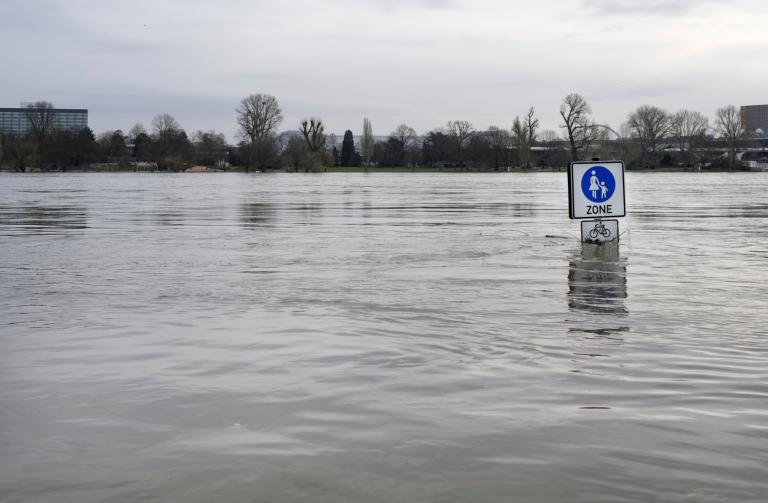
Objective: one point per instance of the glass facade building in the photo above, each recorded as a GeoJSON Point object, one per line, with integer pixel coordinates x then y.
{"type": "Point", "coordinates": [754, 117]}
{"type": "Point", "coordinates": [14, 121]}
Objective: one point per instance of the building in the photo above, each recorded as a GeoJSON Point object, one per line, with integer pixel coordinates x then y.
{"type": "Point", "coordinates": [15, 121]}
{"type": "Point", "coordinates": [754, 118]}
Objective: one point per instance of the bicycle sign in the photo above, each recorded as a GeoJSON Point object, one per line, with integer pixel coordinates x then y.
{"type": "Point", "coordinates": [597, 231]}
{"type": "Point", "coordinates": [596, 189]}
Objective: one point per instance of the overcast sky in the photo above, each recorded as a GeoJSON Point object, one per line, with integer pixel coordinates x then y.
{"type": "Point", "coordinates": [419, 62]}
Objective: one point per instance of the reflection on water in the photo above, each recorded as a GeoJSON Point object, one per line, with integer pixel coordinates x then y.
{"type": "Point", "coordinates": [597, 279]}
{"type": "Point", "coordinates": [256, 214]}
{"type": "Point", "coordinates": [168, 217]}
{"type": "Point", "coordinates": [41, 218]}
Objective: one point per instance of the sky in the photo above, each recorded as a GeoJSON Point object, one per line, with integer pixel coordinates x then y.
{"type": "Point", "coordinates": [418, 62]}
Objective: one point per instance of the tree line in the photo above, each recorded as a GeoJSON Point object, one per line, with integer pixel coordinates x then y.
{"type": "Point", "coordinates": [166, 145]}
{"type": "Point", "coordinates": [649, 137]}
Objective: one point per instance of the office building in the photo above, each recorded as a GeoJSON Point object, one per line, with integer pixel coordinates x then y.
{"type": "Point", "coordinates": [754, 118]}
{"type": "Point", "coordinates": [15, 121]}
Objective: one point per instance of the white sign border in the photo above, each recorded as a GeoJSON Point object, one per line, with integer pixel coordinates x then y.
{"type": "Point", "coordinates": [572, 188]}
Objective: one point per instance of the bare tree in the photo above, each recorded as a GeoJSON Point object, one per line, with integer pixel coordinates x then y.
{"type": "Point", "coordinates": [210, 148]}
{"type": "Point", "coordinates": [331, 141]}
{"type": "Point", "coordinates": [400, 143]}
{"type": "Point", "coordinates": [729, 127]}
{"type": "Point", "coordinates": [578, 125]}
{"type": "Point", "coordinates": [171, 148]}
{"type": "Point", "coordinates": [19, 151]}
{"type": "Point", "coordinates": [404, 134]}
{"type": "Point", "coordinates": [650, 125]}
{"type": "Point", "coordinates": [549, 136]}
{"type": "Point", "coordinates": [460, 132]}
{"type": "Point", "coordinates": [314, 133]}
{"type": "Point", "coordinates": [524, 135]}
{"type": "Point", "coordinates": [164, 125]}
{"type": "Point", "coordinates": [367, 143]}
{"type": "Point", "coordinates": [258, 116]}
{"type": "Point", "coordinates": [137, 130]}
{"type": "Point", "coordinates": [41, 116]}
{"type": "Point", "coordinates": [689, 129]}
{"type": "Point", "coordinates": [500, 141]}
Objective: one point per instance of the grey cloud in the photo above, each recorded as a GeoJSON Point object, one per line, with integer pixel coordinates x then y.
{"type": "Point", "coordinates": [260, 76]}
{"type": "Point", "coordinates": [24, 15]}
{"type": "Point", "coordinates": [395, 5]}
{"type": "Point", "coordinates": [644, 7]}
{"type": "Point", "coordinates": [637, 92]}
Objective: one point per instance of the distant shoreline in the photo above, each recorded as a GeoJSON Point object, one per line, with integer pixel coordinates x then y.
{"type": "Point", "coordinates": [337, 169]}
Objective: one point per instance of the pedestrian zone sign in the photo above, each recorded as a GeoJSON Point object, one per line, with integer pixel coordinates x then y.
{"type": "Point", "coordinates": [596, 189]}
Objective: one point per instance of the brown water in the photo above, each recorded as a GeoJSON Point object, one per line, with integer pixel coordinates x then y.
{"type": "Point", "coordinates": [380, 338]}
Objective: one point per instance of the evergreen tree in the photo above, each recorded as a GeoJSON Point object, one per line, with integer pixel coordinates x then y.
{"type": "Point", "coordinates": [347, 149]}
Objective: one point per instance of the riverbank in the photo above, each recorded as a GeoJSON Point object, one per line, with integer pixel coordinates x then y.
{"type": "Point", "coordinates": [376, 169]}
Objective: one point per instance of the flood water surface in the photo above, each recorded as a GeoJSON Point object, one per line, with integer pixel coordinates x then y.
{"type": "Point", "coordinates": [380, 338]}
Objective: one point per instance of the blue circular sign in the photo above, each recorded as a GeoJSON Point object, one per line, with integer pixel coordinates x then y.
{"type": "Point", "coordinates": [598, 184]}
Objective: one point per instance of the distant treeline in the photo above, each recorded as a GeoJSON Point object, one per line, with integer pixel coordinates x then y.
{"type": "Point", "coordinates": [651, 137]}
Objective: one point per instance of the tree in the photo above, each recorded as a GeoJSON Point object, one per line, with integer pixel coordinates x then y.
{"type": "Point", "coordinates": [258, 116]}
{"type": "Point", "coordinates": [400, 142]}
{"type": "Point", "coordinates": [367, 145]}
{"type": "Point", "coordinates": [294, 151]}
{"type": "Point", "coordinates": [437, 147]}
{"type": "Point", "coordinates": [478, 151]}
{"type": "Point", "coordinates": [580, 129]}
{"type": "Point", "coordinates": [314, 133]}
{"type": "Point", "coordinates": [70, 148]}
{"type": "Point", "coordinates": [112, 145]}
{"type": "Point", "coordinates": [347, 148]}
{"type": "Point", "coordinates": [524, 135]}
{"type": "Point", "coordinates": [689, 130]}
{"type": "Point", "coordinates": [136, 131]}
{"type": "Point", "coordinates": [41, 117]}
{"type": "Point", "coordinates": [210, 148]}
{"type": "Point", "coordinates": [19, 151]}
{"type": "Point", "coordinates": [728, 125]}
{"type": "Point", "coordinates": [143, 146]}
{"type": "Point", "coordinates": [165, 125]}
{"type": "Point", "coordinates": [388, 153]}
{"type": "Point", "coordinates": [405, 135]}
{"type": "Point", "coordinates": [650, 125]}
{"type": "Point", "coordinates": [84, 147]}
{"type": "Point", "coordinates": [460, 132]}
{"type": "Point", "coordinates": [261, 154]}
{"type": "Point", "coordinates": [171, 146]}
{"type": "Point", "coordinates": [500, 141]}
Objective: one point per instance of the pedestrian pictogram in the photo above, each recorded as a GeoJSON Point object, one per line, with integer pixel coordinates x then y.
{"type": "Point", "coordinates": [598, 184]}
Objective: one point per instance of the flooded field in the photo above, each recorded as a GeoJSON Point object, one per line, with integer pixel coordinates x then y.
{"type": "Point", "coordinates": [380, 338]}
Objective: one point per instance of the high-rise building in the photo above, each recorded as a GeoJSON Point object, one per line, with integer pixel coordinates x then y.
{"type": "Point", "coordinates": [15, 121]}
{"type": "Point", "coordinates": [754, 118]}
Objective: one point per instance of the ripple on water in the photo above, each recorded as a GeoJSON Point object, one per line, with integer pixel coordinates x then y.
{"type": "Point", "coordinates": [379, 338]}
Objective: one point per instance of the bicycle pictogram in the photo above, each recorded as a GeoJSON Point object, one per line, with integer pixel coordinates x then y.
{"type": "Point", "coordinates": [600, 230]}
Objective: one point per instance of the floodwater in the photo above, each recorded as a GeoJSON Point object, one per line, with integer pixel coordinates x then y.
{"type": "Point", "coordinates": [380, 338]}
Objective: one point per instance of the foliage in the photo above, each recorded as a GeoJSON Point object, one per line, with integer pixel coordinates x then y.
{"type": "Point", "coordinates": [348, 149]}
{"type": "Point", "coordinates": [367, 144]}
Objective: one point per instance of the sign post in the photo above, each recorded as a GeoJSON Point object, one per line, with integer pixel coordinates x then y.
{"type": "Point", "coordinates": [596, 192]}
